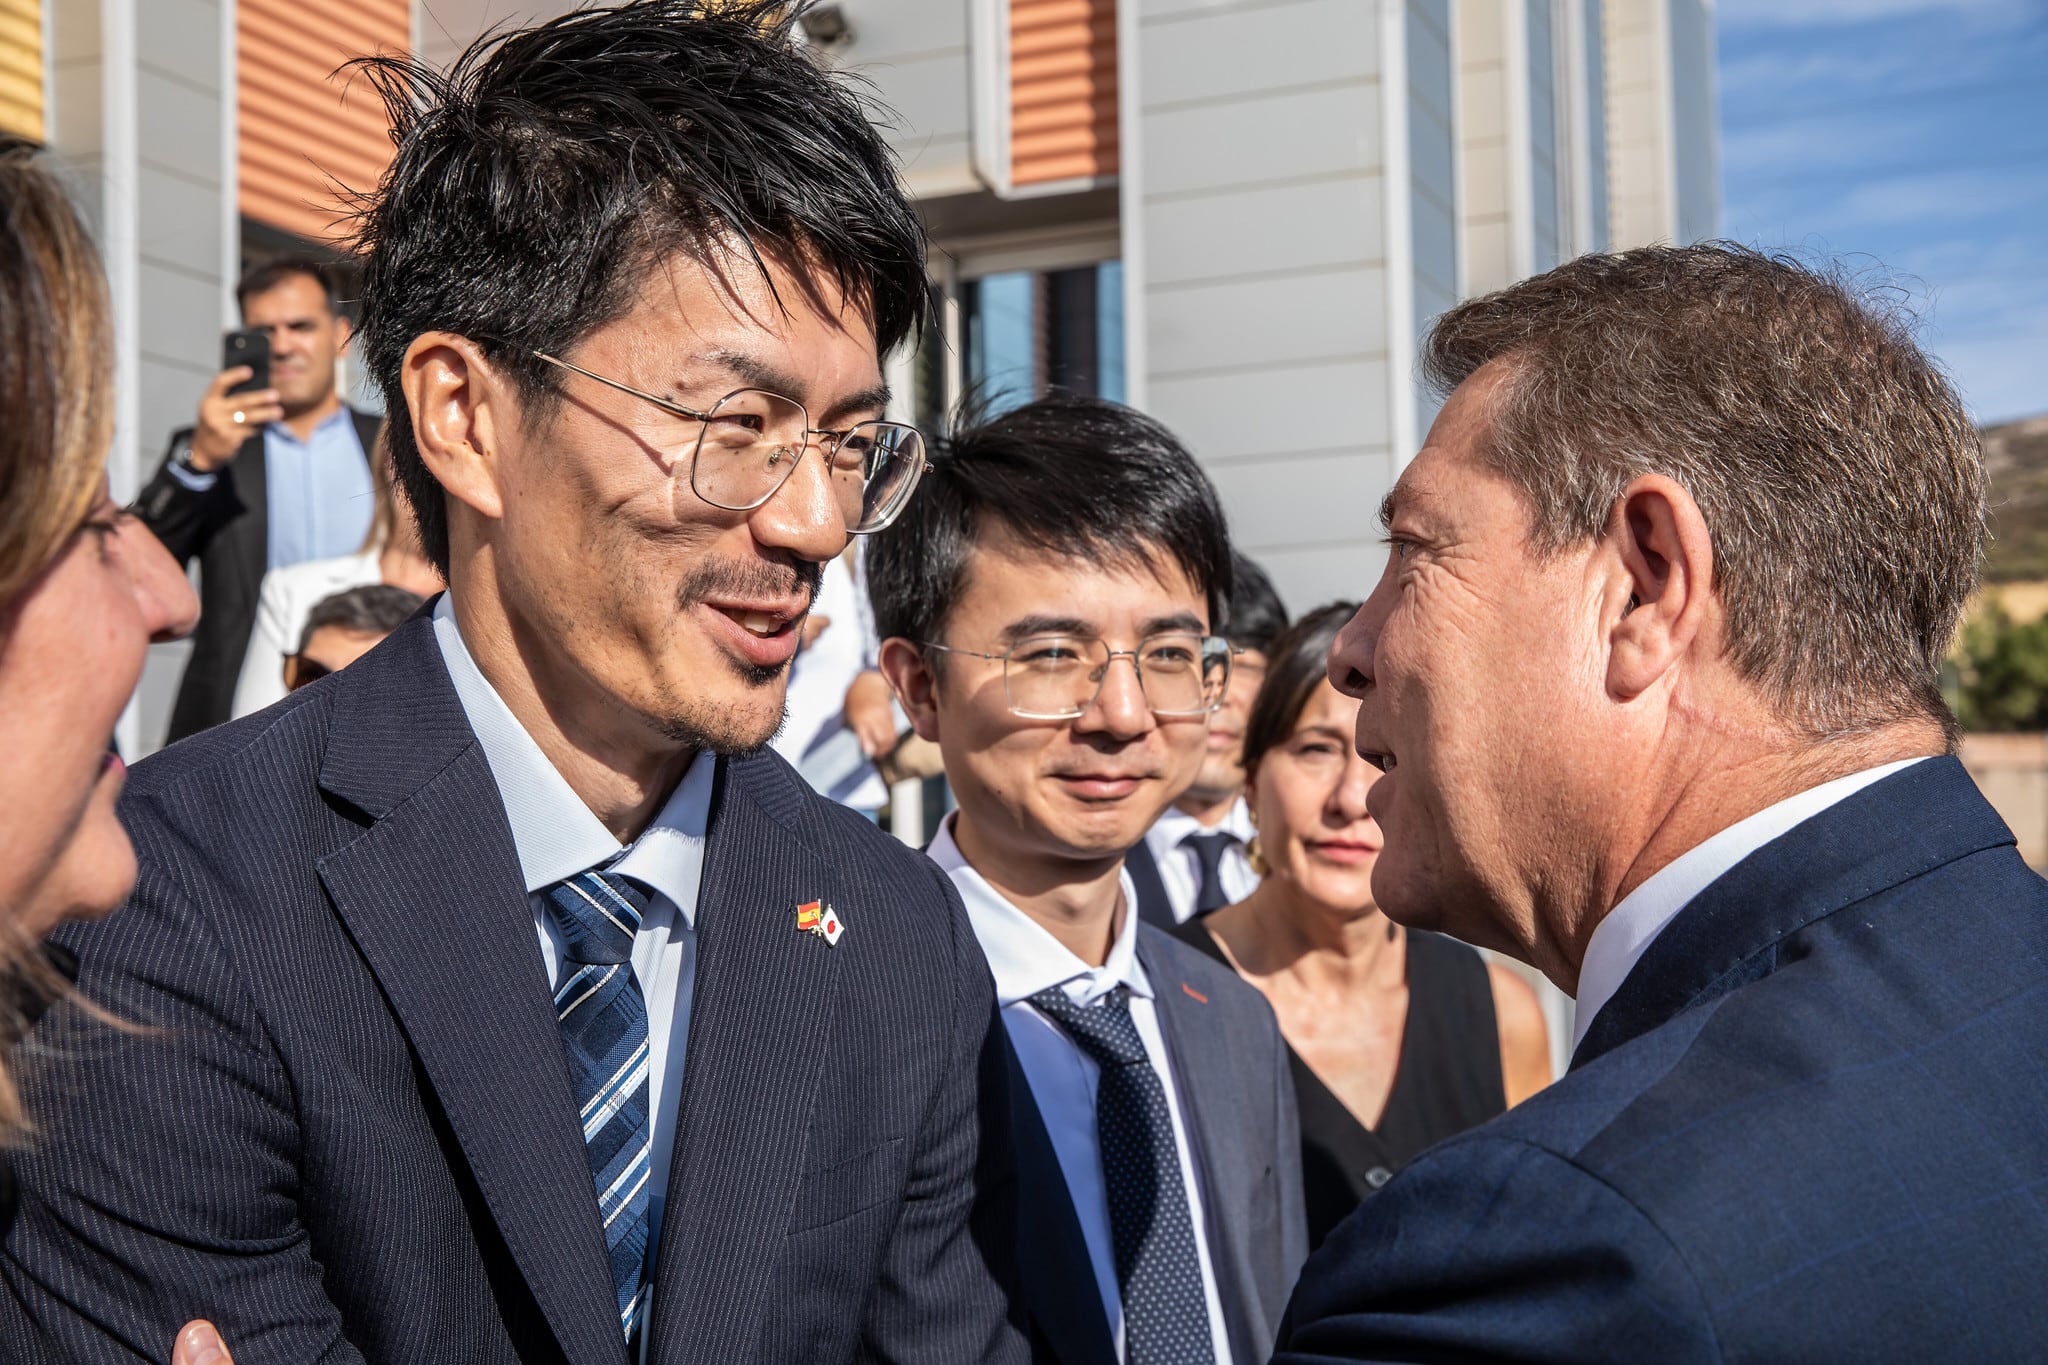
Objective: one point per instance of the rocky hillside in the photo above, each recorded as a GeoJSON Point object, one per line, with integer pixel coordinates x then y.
{"type": "Point", "coordinates": [2016, 459]}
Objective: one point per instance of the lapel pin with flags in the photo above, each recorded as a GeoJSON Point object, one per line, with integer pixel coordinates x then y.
{"type": "Point", "coordinates": [816, 917]}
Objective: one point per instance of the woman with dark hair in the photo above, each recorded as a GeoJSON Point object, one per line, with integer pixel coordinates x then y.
{"type": "Point", "coordinates": [83, 590]}
{"type": "Point", "coordinates": [1397, 1038]}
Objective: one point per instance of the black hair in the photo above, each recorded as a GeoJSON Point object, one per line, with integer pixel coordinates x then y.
{"type": "Point", "coordinates": [1296, 662]}
{"type": "Point", "coordinates": [1074, 477]}
{"type": "Point", "coordinates": [1256, 615]}
{"type": "Point", "coordinates": [374, 609]}
{"type": "Point", "coordinates": [265, 276]}
{"type": "Point", "coordinates": [542, 176]}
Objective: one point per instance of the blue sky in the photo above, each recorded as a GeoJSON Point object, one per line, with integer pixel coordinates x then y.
{"type": "Point", "coordinates": [1911, 138]}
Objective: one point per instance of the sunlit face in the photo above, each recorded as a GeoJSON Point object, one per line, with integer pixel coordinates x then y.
{"type": "Point", "coordinates": [1086, 788]}
{"type": "Point", "coordinates": [1309, 798]}
{"type": "Point", "coordinates": [624, 588]}
{"type": "Point", "coordinates": [305, 340]}
{"type": "Point", "coordinates": [71, 648]}
{"type": "Point", "coordinates": [1482, 686]}
{"type": "Point", "coordinates": [1222, 774]}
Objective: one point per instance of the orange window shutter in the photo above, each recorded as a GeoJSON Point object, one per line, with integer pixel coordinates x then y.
{"type": "Point", "coordinates": [21, 68]}
{"type": "Point", "coordinates": [1063, 117]}
{"type": "Point", "coordinates": [304, 125]}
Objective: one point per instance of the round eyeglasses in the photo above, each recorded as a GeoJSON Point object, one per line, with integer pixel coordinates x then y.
{"type": "Point", "coordinates": [747, 444]}
{"type": "Point", "coordinates": [1058, 677]}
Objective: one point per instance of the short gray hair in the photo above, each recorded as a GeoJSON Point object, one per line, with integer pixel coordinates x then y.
{"type": "Point", "coordinates": [1840, 478]}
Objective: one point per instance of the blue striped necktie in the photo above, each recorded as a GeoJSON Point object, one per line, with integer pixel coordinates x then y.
{"type": "Point", "coordinates": [604, 1032]}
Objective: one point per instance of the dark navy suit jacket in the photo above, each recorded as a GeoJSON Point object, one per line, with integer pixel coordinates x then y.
{"type": "Point", "coordinates": [1237, 1100]}
{"type": "Point", "coordinates": [354, 1137]}
{"type": "Point", "coordinates": [1811, 1126]}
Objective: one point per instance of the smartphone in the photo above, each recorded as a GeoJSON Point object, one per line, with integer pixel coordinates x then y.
{"type": "Point", "coordinates": [249, 347]}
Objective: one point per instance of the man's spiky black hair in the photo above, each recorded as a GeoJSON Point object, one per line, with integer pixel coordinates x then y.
{"type": "Point", "coordinates": [1074, 478]}
{"type": "Point", "coordinates": [540, 178]}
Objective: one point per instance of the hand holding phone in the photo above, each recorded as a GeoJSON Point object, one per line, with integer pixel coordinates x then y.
{"type": "Point", "coordinates": [237, 404]}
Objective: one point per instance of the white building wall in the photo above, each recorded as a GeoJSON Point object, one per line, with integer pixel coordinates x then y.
{"type": "Point", "coordinates": [142, 118]}
{"type": "Point", "coordinates": [1268, 214]}
{"type": "Point", "coordinates": [1663, 163]}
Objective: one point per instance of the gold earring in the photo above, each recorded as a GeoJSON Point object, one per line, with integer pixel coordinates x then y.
{"type": "Point", "coordinates": [1256, 856]}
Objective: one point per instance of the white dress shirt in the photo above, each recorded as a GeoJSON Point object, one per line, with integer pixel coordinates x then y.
{"type": "Point", "coordinates": [814, 736]}
{"type": "Point", "coordinates": [1620, 940]}
{"type": "Point", "coordinates": [557, 836]}
{"type": "Point", "coordinates": [1181, 870]}
{"type": "Point", "coordinates": [1025, 959]}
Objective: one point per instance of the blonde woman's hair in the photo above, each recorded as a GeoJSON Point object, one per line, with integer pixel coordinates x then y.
{"type": "Point", "coordinates": [56, 418]}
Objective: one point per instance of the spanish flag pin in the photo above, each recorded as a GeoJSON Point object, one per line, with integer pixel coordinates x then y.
{"type": "Point", "coordinates": [807, 916]}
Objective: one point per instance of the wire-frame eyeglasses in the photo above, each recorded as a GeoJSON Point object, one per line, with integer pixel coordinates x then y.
{"type": "Point", "coordinates": [748, 443]}
{"type": "Point", "coordinates": [1058, 677]}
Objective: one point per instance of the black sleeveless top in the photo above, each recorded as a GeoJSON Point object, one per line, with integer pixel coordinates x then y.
{"type": "Point", "coordinates": [1447, 1080]}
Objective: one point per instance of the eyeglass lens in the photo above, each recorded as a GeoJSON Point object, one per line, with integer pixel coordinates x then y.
{"type": "Point", "coordinates": [751, 441]}
{"type": "Point", "coordinates": [1050, 677]}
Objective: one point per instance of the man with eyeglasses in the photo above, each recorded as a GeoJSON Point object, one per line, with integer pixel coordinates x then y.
{"type": "Point", "coordinates": [1198, 856]}
{"type": "Point", "coordinates": [509, 1003]}
{"type": "Point", "coordinates": [1046, 608]}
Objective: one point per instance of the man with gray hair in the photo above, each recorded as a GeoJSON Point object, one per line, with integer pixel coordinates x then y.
{"type": "Point", "coordinates": [1652, 680]}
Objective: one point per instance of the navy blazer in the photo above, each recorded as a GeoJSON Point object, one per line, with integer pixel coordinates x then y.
{"type": "Point", "coordinates": [354, 1137]}
{"type": "Point", "coordinates": [1812, 1125]}
{"type": "Point", "coordinates": [1237, 1101]}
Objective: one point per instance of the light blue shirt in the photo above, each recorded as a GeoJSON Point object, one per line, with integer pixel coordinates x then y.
{"type": "Point", "coordinates": [320, 496]}
{"type": "Point", "coordinates": [556, 836]}
{"type": "Point", "coordinates": [321, 499]}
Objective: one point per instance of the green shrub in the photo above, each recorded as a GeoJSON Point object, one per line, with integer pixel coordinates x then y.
{"type": "Point", "coordinates": [1997, 677]}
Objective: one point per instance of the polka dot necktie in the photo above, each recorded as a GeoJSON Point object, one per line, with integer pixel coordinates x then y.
{"type": "Point", "coordinates": [604, 1032]}
{"type": "Point", "coordinates": [1166, 1314]}
{"type": "Point", "coordinates": [1209, 850]}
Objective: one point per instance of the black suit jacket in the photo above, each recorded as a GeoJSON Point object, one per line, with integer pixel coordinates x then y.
{"type": "Point", "coordinates": [354, 1137]}
{"type": "Point", "coordinates": [227, 529]}
{"type": "Point", "coordinates": [1237, 1100]}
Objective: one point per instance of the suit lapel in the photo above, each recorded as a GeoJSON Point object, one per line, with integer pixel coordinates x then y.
{"type": "Point", "coordinates": [1200, 1056]}
{"type": "Point", "coordinates": [432, 895]}
{"type": "Point", "coordinates": [1895, 829]}
{"type": "Point", "coordinates": [1056, 1275]}
{"type": "Point", "coordinates": [759, 1039]}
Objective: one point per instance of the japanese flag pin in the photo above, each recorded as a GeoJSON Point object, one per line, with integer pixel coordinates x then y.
{"type": "Point", "coordinates": [831, 927]}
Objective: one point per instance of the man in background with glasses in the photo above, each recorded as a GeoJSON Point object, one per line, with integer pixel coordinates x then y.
{"type": "Point", "coordinates": [1047, 609]}
{"type": "Point", "coordinates": [1197, 856]}
{"type": "Point", "coordinates": [430, 943]}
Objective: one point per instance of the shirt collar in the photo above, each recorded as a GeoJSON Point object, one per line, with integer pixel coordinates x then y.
{"type": "Point", "coordinates": [338, 417]}
{"type": "Point", "coordinates": [1175, 824]}
{"type": "Point", "coordinates": [1023, 957]}
{"type": "Point", "coordinates": [553, 832]}
{"type": "Point", "coordinates": [1620, 940]}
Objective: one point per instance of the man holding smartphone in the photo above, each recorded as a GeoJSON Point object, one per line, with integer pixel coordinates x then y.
{"type": "Point", "coordinates": [268, 476]}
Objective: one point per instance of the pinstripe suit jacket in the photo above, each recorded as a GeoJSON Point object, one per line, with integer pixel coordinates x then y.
{"type": "Point", "coordinates": [354, 1137]}
{"type": "Point", "coordinates": [1812, 1125]}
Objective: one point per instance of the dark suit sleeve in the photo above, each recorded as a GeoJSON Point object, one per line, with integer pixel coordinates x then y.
{"type": "Point", "coordinates": [946, 1290]}
{"type": "Point", "coordinates": [184, 520]}
{"type": "Point", "coordinates": [1490, 1249]}
{"type": "Point", "coordinates": [162, 1185]}
{"type": "Point", "coordinates": [1287, 1161]}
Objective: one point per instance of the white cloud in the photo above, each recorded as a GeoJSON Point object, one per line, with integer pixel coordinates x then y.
{"type": "Point", "coordinates": [1841, 13]}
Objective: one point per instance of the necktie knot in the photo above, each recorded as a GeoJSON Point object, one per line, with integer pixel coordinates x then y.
{"type": "Point", "coordinates": [599, 913]}
{"type": "Point", "coordinates": [1209, 847]}
{"type": "Point", "coordinates": [1105, 1031]}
